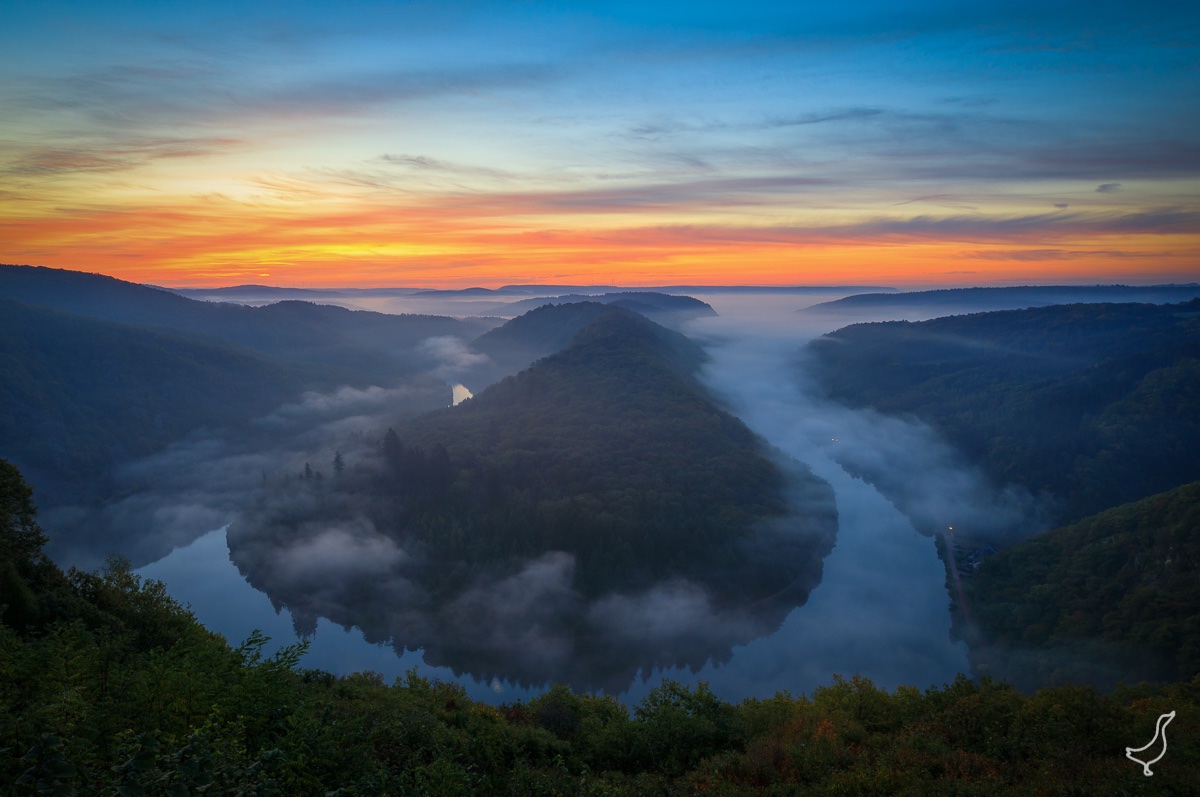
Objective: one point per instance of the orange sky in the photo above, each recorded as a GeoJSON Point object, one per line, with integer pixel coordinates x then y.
{"type": "Point", "coordinates": [210, 243]}
{"type": "Point", "coordinates": [506, 146]}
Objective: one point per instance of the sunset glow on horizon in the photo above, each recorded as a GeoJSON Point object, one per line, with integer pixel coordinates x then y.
{"type": "Point", "coordinates": [483, 144]}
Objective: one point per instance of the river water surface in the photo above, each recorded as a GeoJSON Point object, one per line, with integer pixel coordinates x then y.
{"type": "Point", "coordinates": [881, 609]}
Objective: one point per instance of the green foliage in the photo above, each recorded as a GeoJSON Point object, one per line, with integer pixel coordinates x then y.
{"type": "Point", "coordinates": [79, 395]}
{"type": "Point", "coordinates": [682, 726]}
{"type": "Point", "coordinates": [1094, 406]}
{"type": "Point", "coordinates": [98, 371]}
{"type": "Point", "coordinates": [1091, 404]}
{"type": "Point", "coordinates": [20, 537]}
{"type": "Point", "coordinates": [601, 472]}
{"type": "Point", "coordinates": [25, 570]}
{"type": "Point", "coordinates": [1112, 597]}
{"type": "Point", "coordinates": [102, 703]}
{"type": "Point", "coordinates": [609, 450]}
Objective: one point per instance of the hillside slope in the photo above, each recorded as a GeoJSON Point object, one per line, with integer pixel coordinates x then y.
{"type": "Point", "coordinates": [549, 328]}
{"type": "Point", "coordinates": [158, 704]}
{"type": "Point", "coordinates": [613, 431]}
{"type": "Point", "coordinates": [79, 395]}
{"type": "Point", "coordinates": [361, 347]}
{"type": "Point", "coordinates": [1113, 597]}
{"type": "Point", "coordinates": [535, 531]}
{"type": "Point", "coordinates": [1018, 297]}
{"type": "Point", "coordinates": [1091, 405]}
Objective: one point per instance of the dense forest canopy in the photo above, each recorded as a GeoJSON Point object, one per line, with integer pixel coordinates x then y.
{"type": "Point", "coordinates": [108, 686]}
{"type": "Point", "coordinates": [1114, 597]}
{"type": "Point", "coordinates": [1094, 407]}
{"type": "Point", "coordinates": [1089, 405]}
{"type": "Point", "coordinates": [538, 333]}
{"type": "Point", "coordinates": [355, 347]}
{"type": "Point", "coordinates": [613, 431]}
{"type": "Point", "coordinates": [79, 394]}
{"type": "Point", "coordinates": [602, 484]}
{"type": "Point", "coordinates": [100, 374]}
{"type": "Point", "coordinates": [946, 301]}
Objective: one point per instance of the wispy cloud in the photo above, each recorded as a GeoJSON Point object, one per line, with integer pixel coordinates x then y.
{"type": "Point", "coordinates": [974, 227]}
{"type": "Point", "coordinates": [113, 155]}
{"type": "Point", "coordinates": [1042, 255]}
{"type": "Point", "coordinates": [489, 133]}
{"type": "Point", "coordinates": [819, 118]}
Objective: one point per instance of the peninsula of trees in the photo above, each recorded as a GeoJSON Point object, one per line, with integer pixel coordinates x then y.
{"type": "Point", "coordinates": [601, 485]}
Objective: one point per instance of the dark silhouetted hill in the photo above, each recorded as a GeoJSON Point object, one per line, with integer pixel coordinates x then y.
{"type": "Point", "coordinates": [662, 307]}
{"type": "Point", "coordinates": [596, 492]}
{"type": "Point", "coordinates": [1114, 597]}
{"type": "Point", "coordinates": [972, 300]}
{"type": "Point", "coordinates": [364, 347]}
{"type": "Point", "coordinates": [1093, 404]}
{"type": "Point", "coordinates": [79, 394]}
{"type": "Point", "coordinates": [545, 330]}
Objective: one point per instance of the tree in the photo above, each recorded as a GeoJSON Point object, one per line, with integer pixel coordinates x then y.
{"type": "Point", "coordinates": [339, 464]}
{"type": "Point", "coordinates": [20, 536]}
{"type": "Point", "coordinates": [23, 565]}
{"type": "Point", "coordinates": [393, 450]}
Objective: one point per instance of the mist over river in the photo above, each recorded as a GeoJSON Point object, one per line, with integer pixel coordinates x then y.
{"type": "Point", "coordinates": [881, 609]}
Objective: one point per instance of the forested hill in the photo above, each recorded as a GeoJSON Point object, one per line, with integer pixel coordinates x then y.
{"type": "Point", "coordinates": [533, 335]}
{"type": "Point", "coordinates": [112, 687]}
{"type": "Point", "coordinates": [662, 307]}
{"type": "Point", "coordinates": [79, 394]}
{"type": "Point", "coordinates": [550, 328]}
{"type": "Point", "coordinates": [365, 347]}
{"type": "Point", "coordinates": [1093, 405]}
{"type": "Point", "coordinates": [597, 493]}
{"type": "Point", "coordinates": [1114, 597]}
{"type": "Point", "coordinates": [614, 447]}
{"type": "Point", "coordinates": [971, 300]}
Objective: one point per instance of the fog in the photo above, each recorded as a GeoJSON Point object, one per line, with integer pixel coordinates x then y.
{"type": "Point", "coordinates": [206, 480]}
{"type": "Point", "coordinates": [878, 604]}
{"type": "Point", "coordinates": [315, 551]}
{"type": "Point", "coordinates": [761, 369]}
{"type": "Point", "coordinates": [927, 304]}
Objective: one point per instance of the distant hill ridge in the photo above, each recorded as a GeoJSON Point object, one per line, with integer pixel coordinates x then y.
{"type": "Point", "coordinates": [538, 333]}
{"type": "Point", "coordinates": [645, 302]}
{"type": "Point", "coordinates": [80, 394]}
{"type": "Point", "coordinates": [1111, 598]}
{"type": "Point", "coordinates": [604, 474]}
{"type": "Point", "coordinates": [362, 345]}
{"type": "Point", "coordinates": [1012, 297]}
{"type": "Point", "coordinates": [1091, 404]}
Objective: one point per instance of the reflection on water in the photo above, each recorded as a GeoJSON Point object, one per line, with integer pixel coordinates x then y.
{"type": "Point", "coordinates": [532, 620]}
{"type": "Point", "coordinates": [201, 576]}
{"type": "Point", "coordinates": [881, 608]}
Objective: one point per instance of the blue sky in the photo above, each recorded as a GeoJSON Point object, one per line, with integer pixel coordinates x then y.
{"type": "Point", "coordinates": [490, 142]}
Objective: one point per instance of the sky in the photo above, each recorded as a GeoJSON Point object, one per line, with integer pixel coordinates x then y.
{"type": "Point", "coordinates": [488, 143]}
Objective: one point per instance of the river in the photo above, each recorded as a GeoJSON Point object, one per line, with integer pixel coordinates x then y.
{"type": "Point", "coordinates": [881, 609]}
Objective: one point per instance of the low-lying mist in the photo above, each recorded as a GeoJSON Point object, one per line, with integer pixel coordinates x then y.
{"type": "Point", "coordinates": [526, 623]}
{"type": "Point", "coordinates": [883, 608]}
{"type": "Point", "coordinates": [508, 603]}
{"type": "Point", "coordinates": [206, 480]}
{"type": "Point", "coordinates": [763, 374]}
